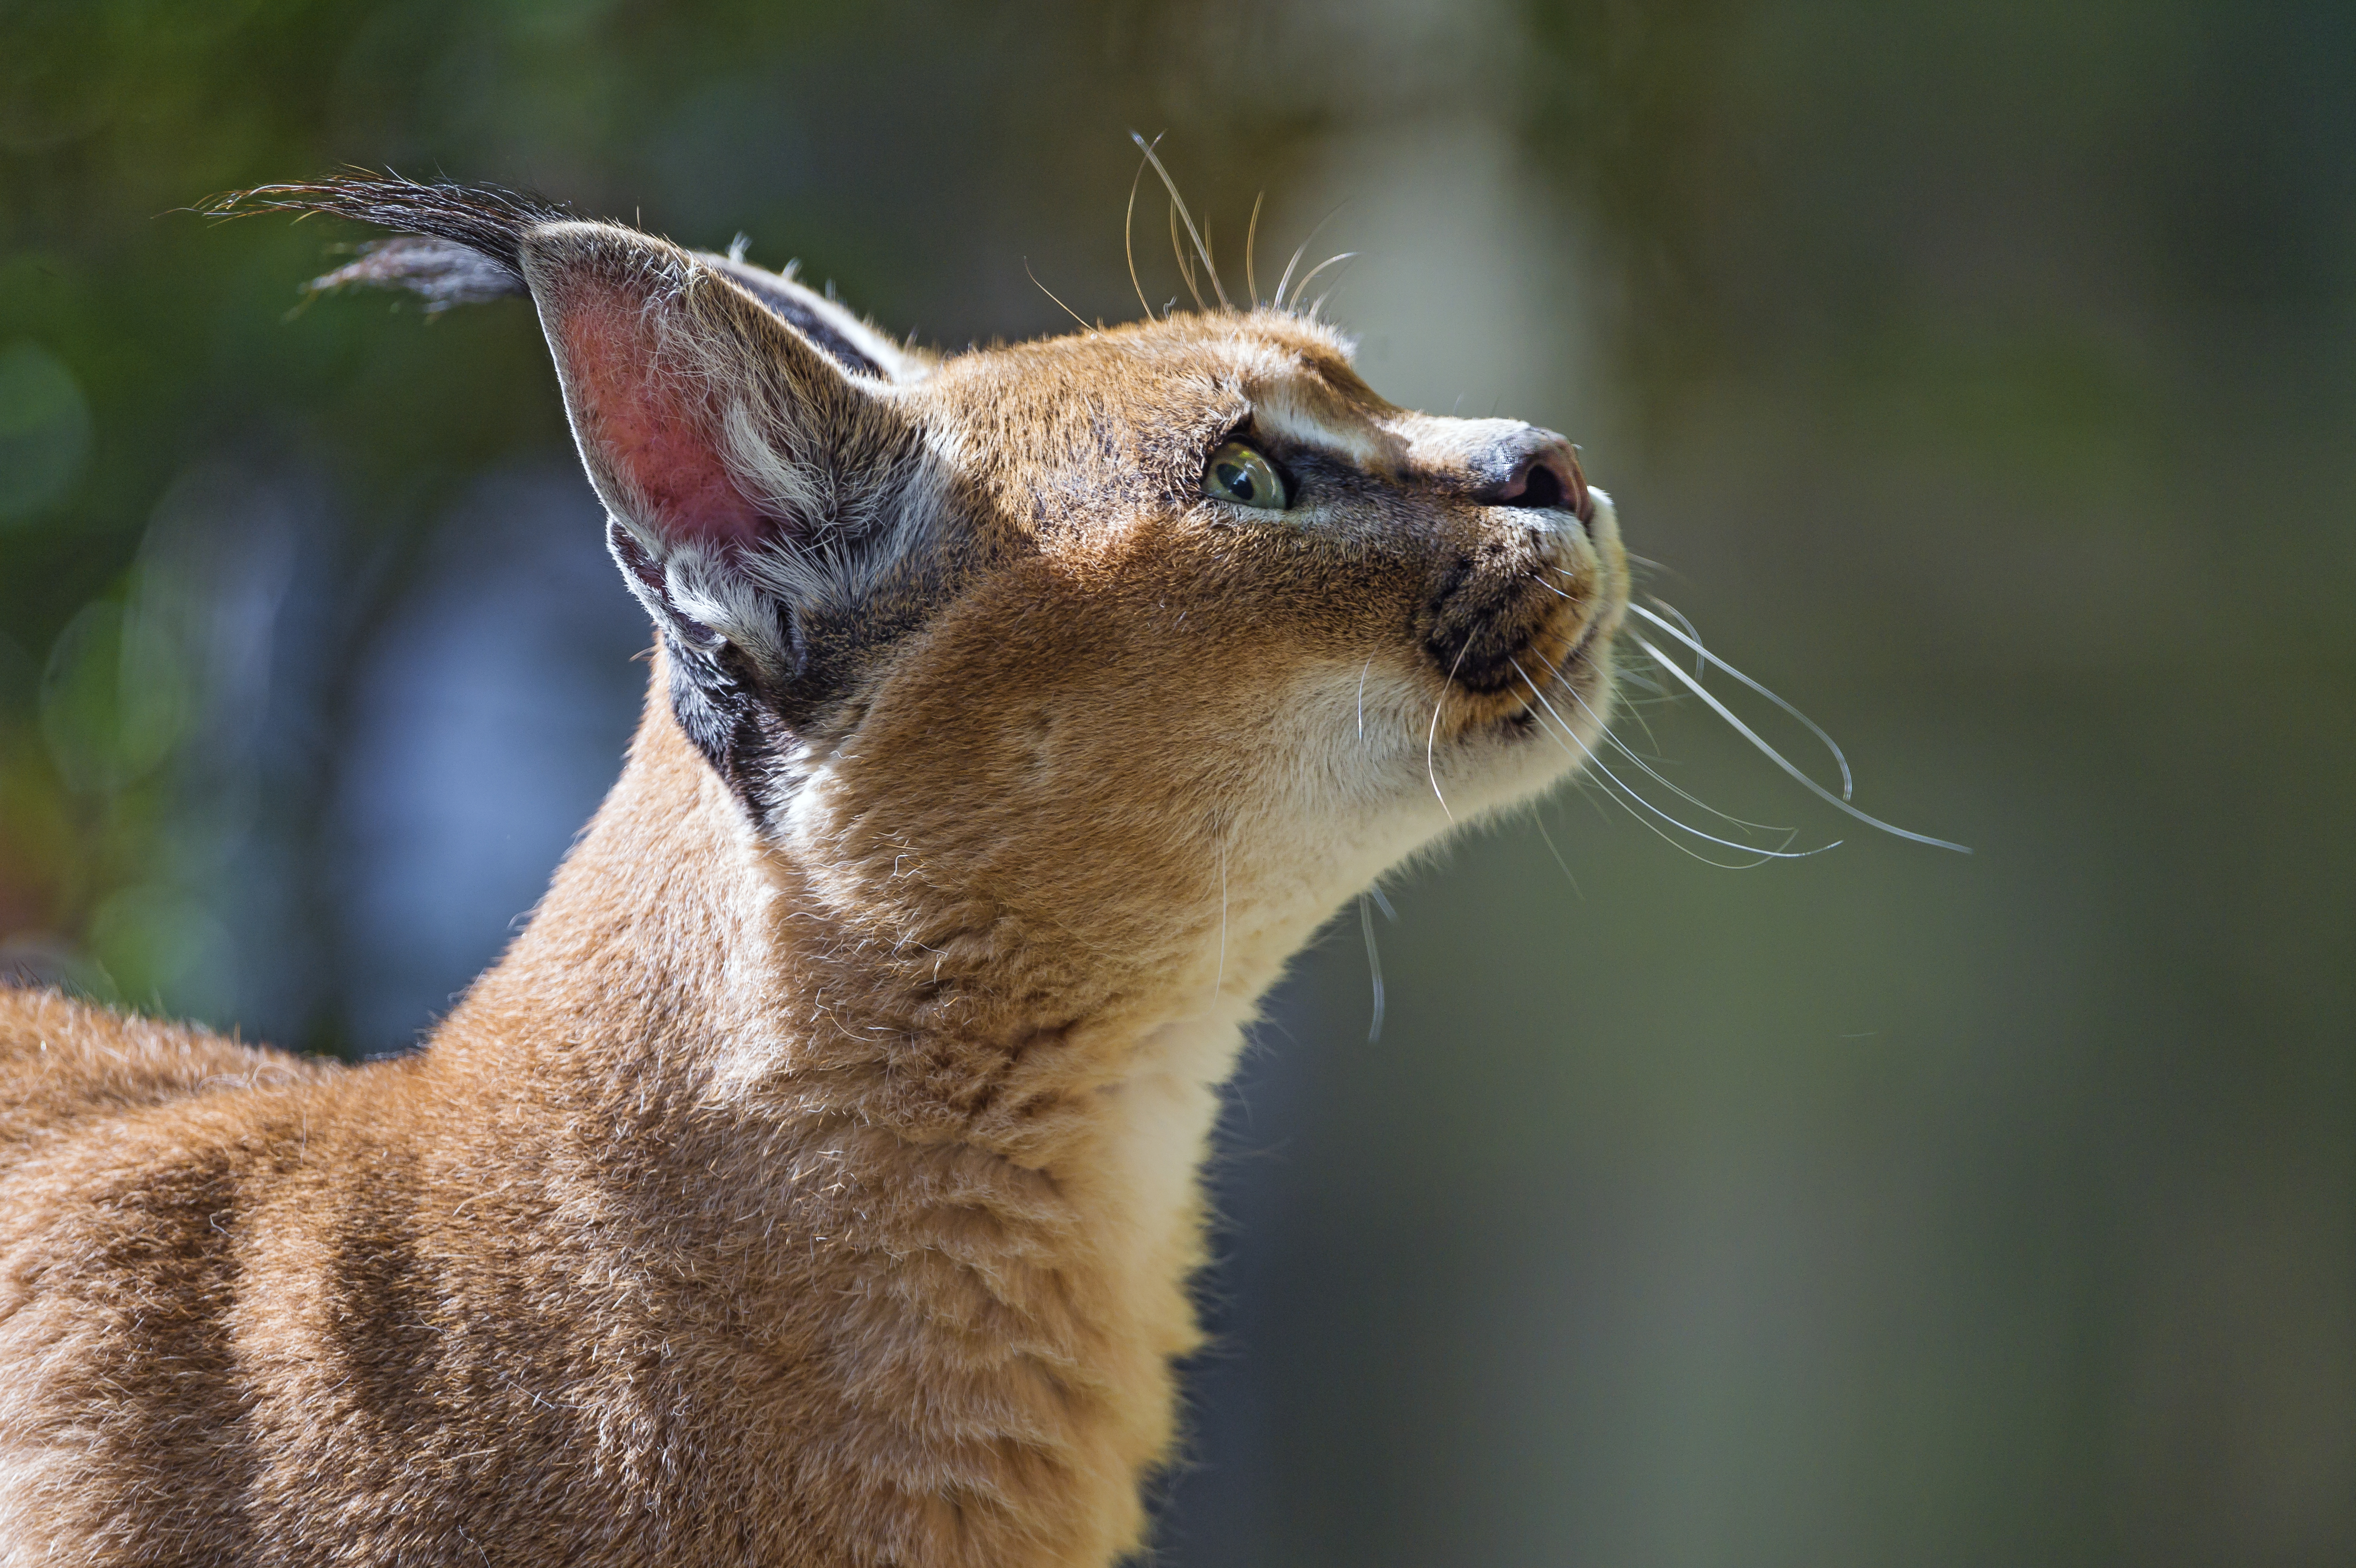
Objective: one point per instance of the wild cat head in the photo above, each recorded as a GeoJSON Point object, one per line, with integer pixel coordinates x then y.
{"type": "Point", "coordinates": [1133, 628]}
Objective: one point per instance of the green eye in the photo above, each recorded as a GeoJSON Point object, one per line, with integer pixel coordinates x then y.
{"type": "Point", "coordinates": [1235, 473]}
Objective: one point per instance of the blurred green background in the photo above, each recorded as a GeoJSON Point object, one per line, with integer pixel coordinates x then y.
{"type": "Point", "coordinates": [1981, 374]}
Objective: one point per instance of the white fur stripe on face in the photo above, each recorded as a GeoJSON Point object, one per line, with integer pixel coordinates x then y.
{"type": "Point", "coordinates": [1280, 413]}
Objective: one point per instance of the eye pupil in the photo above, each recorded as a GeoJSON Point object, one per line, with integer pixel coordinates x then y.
{"type": "Point", "coordinates": [1241, 477]}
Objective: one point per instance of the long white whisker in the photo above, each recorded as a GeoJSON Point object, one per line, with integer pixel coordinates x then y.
{"type": "Point", "coordinates": [1723, 711]}
{"type": "Point", "coordinates": [1609, 794]}
{"type": "Point", "coordinates": [1333, 288]}
{"type": "Point", "coordinates": [1374, 966]}
{"type": "Point", "coordinates": [1653, 828]}
{"type": "Point", "coordinates": [1848, 785]}
{"type": "Point", "coordinates": [1701, 665]}
{"type": "Point", "coordinates": [1431, 737]}
{"type": "Point", "coordinates": [1627, 677]}
{"type": "Point", "coordinates": [1361, 695]}
{"type": "Point", "coordinates": [1185, 263]}
{"type": "Point", "coordinates": [1670, 784]}
{"type": "Point", "coordinates": [1128, 244]}
{"type": "Point", "coordinates": [1636, 712]}
{"type": "Point", "coordinates": [1597, 763]}
{"type": "Point", "coordinates": [1051, 294]}
{"type": "Point", "coordinates": [1628, 751]}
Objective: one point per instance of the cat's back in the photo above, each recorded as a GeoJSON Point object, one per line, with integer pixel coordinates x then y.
{"type": "Point", "coordinates": [134, 1157]}
{"type": "Point", "coordinates": [125, 1141]}
{"type": "Point", "coordinates": [65, 1065]}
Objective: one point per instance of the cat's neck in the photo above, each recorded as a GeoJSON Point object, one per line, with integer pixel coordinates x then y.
{"type": "Point", "coordinates": [707, 1037]}
{"type": "Point", "coordinates": [684, 956]}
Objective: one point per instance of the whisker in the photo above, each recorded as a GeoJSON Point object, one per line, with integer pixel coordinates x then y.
{"type": "Point", "coordinates": [1641, 722]}
{"type": "Point", "coordinates": [1701, 664]}
{"type": "Point", "coordinates": [1621, 796]}
{"type": "Point", "coordinates": [1185, 263]}
{"type": "Point", "coordinates": [1848, 786]}
{"type": "Point", "coordinates": [1540, 823]}
{"type": "Point", "coordinates": [1277, 302]}
{"type": "Point", "coordinates": [1251, 234]}
{"type": "Point", "coordinates": [1626, 789]}
{"type": "Point", "coordinates": [1307, 278]}
{"type": "Point", "coordinates": [1128, 245]}
{"type": "Point", "coordinates": [1588, 794]}
{"type": "Point", "coordinates": [1374, 966]}
{"type": "Point", "coordinates": [1431, 769]}
{"type": "Point", "coordinates": [1299, 250]}
{"type": "Point", "coordinates": [1670, 784]}
{"type": "Point", "coordinates": [1051, 294]}
{"type": "Point", "coordinates": [1628, 751]}
{"type": "Point", "coordinates": [1361, 695]}
{"type": "Point", "coordinates": [1319, 308]}
{"type": "Point", "coordinates": [1723, 711]}
{"type": "Point", "coordinates": [1609, 794]}
{"type": "Point", "coordinates": [1635, 711]}
{"type": "Point", "coordinates": [1179, 203]}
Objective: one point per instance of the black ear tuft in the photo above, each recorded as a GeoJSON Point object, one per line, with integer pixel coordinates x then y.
{"type": "Point", "coordinates": [461, 243]}
{"type": "Point", "coordinates": [442, 271]}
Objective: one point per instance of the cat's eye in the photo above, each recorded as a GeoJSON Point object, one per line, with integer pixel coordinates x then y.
{"type": "Point", "coordinates": [1235, 473]}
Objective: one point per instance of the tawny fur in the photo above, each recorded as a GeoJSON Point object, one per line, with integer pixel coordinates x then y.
{"type": "Point", "coordinates": [814, 1181]}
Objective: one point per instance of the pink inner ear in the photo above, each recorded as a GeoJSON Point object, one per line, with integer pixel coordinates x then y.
{"type": "Point", "coordinates": [658, 434]}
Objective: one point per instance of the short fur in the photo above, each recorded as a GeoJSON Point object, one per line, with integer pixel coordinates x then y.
{"type": "Point", "coordinates": [814, 1181]}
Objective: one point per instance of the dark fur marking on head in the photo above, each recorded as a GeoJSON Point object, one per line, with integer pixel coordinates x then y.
{"type": "Point", "coordinates": [715, 696]}
{"type": "Point", "coordinates": [721, 710]}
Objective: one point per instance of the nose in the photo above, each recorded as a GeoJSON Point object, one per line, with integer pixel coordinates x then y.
{"type": "Point", "coordinates": [1539, 469]}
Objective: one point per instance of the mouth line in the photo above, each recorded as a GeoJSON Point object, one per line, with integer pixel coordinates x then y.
{"type": "Point", "coordinates": [1577, 654]}
{"type": "Point", "coordinates": [1573, 657]}
{"type": "Point", "coordinates": [1525, 722]}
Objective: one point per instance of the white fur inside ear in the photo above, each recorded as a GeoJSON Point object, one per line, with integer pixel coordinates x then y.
{"type": "Point", "coordinates": [852, 535]}
{"type": "Point", "coordinates": [701, 584]}
{"type": "Point", "coordinates": [847, 540]}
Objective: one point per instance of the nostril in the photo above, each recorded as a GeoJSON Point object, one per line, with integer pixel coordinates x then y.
{"type": "Point", "coordinates": [1548, 480]}
{"type": "Point", "coordinates": [1541, 487]}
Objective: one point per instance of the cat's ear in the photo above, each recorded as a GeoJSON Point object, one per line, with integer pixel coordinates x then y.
{"type": "Point", "coordinates": [764, 482]}
{"type": "Point", "coordinates": [849, 339]}
{"type": "Point", "coordinates": [744, 466]}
